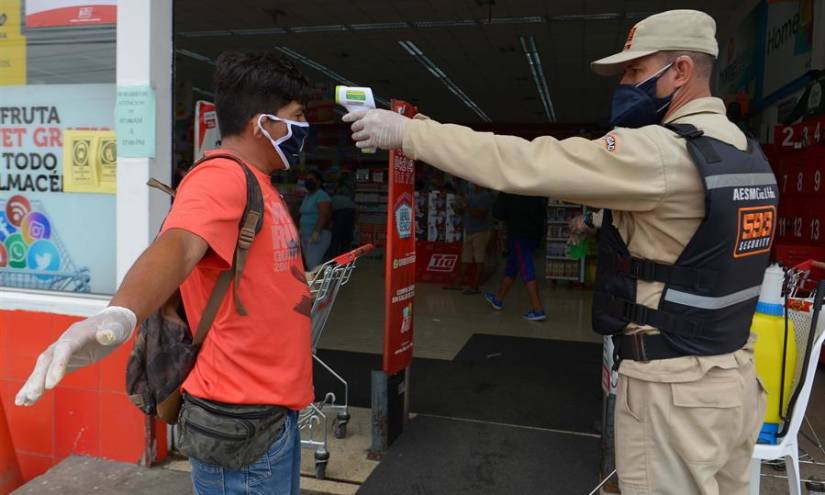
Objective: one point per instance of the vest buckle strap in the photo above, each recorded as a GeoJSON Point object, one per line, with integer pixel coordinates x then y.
{"type": "Point", "coordinates": [642, 269]}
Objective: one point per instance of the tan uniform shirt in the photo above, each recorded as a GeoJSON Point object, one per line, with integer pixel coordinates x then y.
{"type": "Point", "coordinates": [646, 176]}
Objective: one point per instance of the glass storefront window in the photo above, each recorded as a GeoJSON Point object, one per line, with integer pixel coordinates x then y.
{"type": "Point", "coordinates": [57, 148]}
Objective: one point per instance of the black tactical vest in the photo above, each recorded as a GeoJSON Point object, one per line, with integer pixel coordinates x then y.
{"type": "Point", "coordinates": [711, 291]}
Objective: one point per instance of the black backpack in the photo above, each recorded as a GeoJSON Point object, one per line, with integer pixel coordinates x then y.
{"type": "Point", "coordinates": [164, 351]}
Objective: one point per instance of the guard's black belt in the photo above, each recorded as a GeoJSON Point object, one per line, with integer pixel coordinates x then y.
{"type": "Point", "coordinates": [643, 347]}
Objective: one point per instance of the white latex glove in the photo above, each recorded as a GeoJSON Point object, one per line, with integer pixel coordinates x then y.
{"type": "Point", "coordinates": [84, 343]}
{"type": "Point", "coordinates": [315, 238]}
{"type": "Point", "coordinates": [377, 128]}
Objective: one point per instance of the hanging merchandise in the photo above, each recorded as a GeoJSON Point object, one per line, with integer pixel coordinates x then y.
{"type": "Point", "coordinates": [775, 351]}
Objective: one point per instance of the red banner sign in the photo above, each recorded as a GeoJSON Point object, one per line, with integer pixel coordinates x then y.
{"type": "Point", "coordinates": [51, 13]}
{"type": "Point", "coordinates": [399, 285]}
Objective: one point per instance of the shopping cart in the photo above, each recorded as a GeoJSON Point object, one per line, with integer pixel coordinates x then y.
{"type": "Point", "coordinates": [802, 283]}
{"type": "Point", "coordinates": [324, 284]}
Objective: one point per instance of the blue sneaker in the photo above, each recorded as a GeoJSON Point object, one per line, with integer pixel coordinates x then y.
{"type": "Point", "coordinates": [495, 303]}
{"type": "Point", "coordinates": [535, 316]}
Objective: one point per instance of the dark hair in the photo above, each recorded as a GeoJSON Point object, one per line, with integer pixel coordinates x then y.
{"type": "Point", "coordinates": [247, 83]}
{"type": "Point", "coordinates": [316, 174]}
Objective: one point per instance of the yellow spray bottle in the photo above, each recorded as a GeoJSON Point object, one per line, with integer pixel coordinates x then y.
{"type": "Point", "coordinates": [355, 99]}
{"type": "Point", "coordinates": [775, 351]}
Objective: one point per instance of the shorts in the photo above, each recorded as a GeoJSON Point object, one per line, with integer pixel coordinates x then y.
{"type": "Point", "coordinates": [475, 247]}
{"type": "Point", "coordinates": [520, 258]}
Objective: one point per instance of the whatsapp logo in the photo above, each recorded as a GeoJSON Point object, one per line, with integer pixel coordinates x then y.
{"type": "Point", "coordinates": [17, 250]}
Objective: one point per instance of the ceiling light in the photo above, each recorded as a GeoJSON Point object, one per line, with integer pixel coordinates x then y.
{"type": "Point", "coordinates": [194, 56]}
{"type": "Point", "coordinates": [416, 52]}
{"type": "Point", "coordinates": [330, 28]}
{"type": "Point", "coordinates": [254, 32]}
{"type": "Point", "coordinates": [374, 26]}
{"type": "Point", "coordinates": [528, 44]}
{"type": "Point", "coordinates": [325, 70]}
{"type": "Point", "coordinates": [204, 92]}
{"type": "Point", "coordinates": [432, 24]}
{"type": "Point", "coordinates": [514, 20]}
{"type": "Point", "coordinates": [199, 34]}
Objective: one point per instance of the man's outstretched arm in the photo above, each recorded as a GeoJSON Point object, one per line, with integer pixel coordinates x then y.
{"type": "Point", "coordinates": [156, 274]}
{"type": "Point", "coordinates": [617, 171]}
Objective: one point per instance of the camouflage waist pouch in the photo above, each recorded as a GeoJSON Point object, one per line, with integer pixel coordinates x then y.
{"type": "Point", "coordinates": [229, 435]}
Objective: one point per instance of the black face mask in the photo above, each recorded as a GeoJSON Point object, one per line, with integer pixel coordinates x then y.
{"type": "Point", "coordinates": [636, 105]}
{"type": "Point", "coordinates": [311, 185]}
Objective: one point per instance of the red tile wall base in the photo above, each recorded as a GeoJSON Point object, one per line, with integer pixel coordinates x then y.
{"type": "Point", "coordinates": [88, 413]}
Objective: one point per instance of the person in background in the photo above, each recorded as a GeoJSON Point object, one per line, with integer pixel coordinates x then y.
{"type": "Point", "coordinates": [478, 227]}
{"type": "Point", "coordinates": [316, 212]}
{"type": "Point", "coordinates": [343, 218]}
{"type": "Point", "coordinates": [525, 220]}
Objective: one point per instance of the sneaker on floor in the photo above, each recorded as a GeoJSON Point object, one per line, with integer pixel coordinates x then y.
{"type": "Point", "coordinates": [495, 303]}
{"type": "Point", "coordinates": [535, 316]}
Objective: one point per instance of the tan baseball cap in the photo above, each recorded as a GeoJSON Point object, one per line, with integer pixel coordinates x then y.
{"type": "Point", "coordinates": [678, 30]}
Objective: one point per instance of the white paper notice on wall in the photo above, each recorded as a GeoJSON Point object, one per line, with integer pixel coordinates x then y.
{"type": "Point", "coordinates": [135, 121]}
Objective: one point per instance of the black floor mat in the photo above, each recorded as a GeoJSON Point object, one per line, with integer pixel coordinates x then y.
{"type": "Point", "coordinates": [436, 456]}
{"type": "Point", "coordinates": [521, 381]}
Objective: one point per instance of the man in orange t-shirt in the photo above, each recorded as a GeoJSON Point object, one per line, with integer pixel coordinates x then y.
{"type": "Point", "coordinates": [265, 357]}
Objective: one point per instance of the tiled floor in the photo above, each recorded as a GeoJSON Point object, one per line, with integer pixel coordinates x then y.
{"type": "Point", "coordinates": [445, 320]}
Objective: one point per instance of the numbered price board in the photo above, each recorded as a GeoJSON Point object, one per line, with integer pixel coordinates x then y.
{"type": "Point", "coordinates": [802, 135]}
{"type": "Point", "coordinates": [801, 173]}
{"type": "Point", "coordinates": [801, 221]}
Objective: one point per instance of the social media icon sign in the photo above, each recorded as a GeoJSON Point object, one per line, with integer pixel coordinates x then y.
{"type": "Point", "coordinates": [35, 226]}
{"type": "Point", "coordinates": [43, 256]}
{"type": "Point", "coordinates": [17, 251]}
{"type": "Point", "coordinates": [6, 228]}
{"type": "Point", "coordinates": [4, 256]}
{"type": "Point", "coordinates": [17, 207]}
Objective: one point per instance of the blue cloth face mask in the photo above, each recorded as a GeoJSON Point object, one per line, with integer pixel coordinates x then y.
{"type": "Point", "coordinates": [289, 146]}
{"type": "Point", "coordinates": [636, 105]}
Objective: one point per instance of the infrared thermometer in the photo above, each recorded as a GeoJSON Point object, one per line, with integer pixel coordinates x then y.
{"type": "Point", "coordinates": [355, 99]}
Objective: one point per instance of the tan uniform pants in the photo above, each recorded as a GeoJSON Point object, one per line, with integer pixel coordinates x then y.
{"type": "Point", "coordinates": [688, 438]}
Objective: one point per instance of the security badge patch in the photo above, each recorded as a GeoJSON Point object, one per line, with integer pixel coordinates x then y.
{"type": "Point", "coordinates": [610, 142]}
{"type": "Point", "coordinates": [755, 230]}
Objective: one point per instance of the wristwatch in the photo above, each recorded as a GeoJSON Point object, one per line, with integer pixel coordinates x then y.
{"type": "Point", "coordinates": [588, 219]}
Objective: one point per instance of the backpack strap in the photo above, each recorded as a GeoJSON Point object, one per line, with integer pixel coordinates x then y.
{"type": "Point", "coordinates": [250, 224]}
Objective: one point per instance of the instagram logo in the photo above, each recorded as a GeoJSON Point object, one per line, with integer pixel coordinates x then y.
{"type": "Point", "coordinates": [35, 226]}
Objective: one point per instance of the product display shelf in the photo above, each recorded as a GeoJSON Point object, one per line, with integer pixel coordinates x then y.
{"type": "Point", "coordinates": [559, 265]}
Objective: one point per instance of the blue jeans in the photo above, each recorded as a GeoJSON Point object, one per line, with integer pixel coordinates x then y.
{"type": "Point", "coordinates": [277, 472]}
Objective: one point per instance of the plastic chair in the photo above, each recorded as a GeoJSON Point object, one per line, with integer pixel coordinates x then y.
{"type": "Point", "coordinates": [788, 446]}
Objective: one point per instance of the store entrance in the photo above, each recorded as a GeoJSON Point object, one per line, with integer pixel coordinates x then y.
{"type": "Point", "coordinates": [500, 404]}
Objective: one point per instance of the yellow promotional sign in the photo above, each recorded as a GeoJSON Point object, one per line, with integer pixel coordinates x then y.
{"type": "Point", "coordinates": [9, 19]}
{"type": "Point", "coordinates": [90, 162]}
{"type": "Point", "coordinates": [13, 61]}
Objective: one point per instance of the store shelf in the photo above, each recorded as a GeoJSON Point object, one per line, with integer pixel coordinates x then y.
{"type": "Point", "coordinates": [559, 267]}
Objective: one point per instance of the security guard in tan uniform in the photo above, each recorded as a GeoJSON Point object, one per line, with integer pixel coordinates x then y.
{"type": "Point", "coordinates": [689, 216]}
